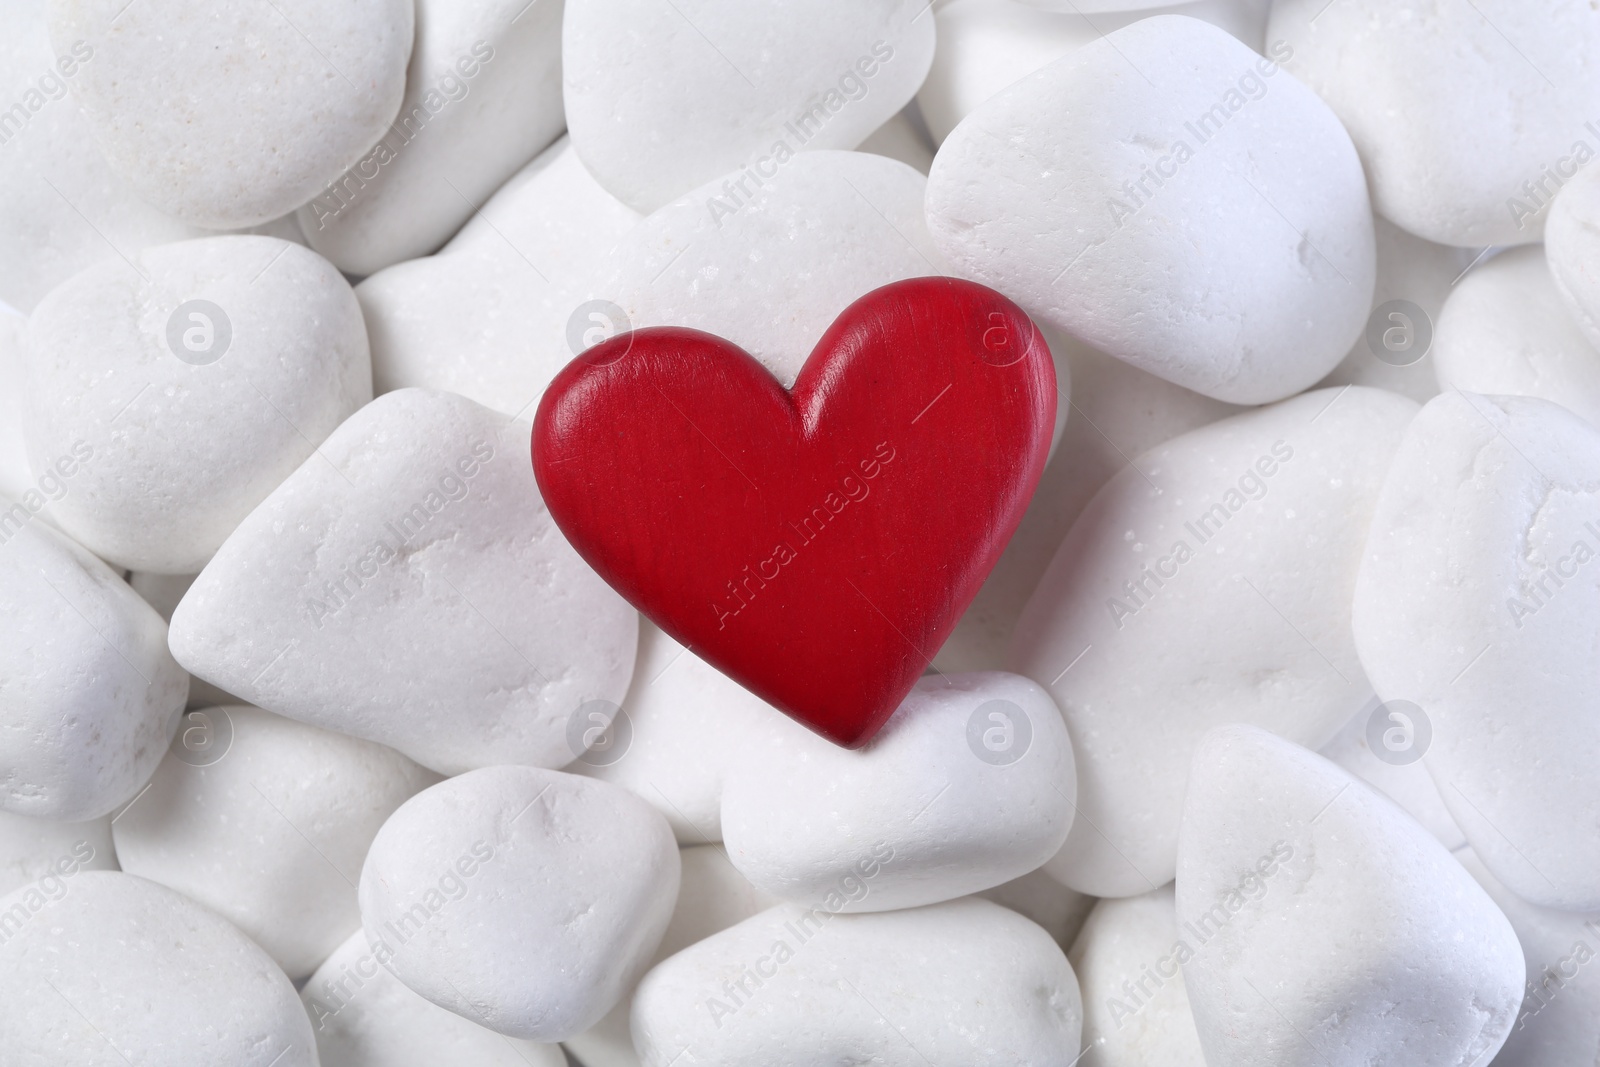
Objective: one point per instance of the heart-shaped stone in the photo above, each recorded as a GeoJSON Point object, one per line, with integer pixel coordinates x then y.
{"type": "Point", "coordinates": [816, 545]}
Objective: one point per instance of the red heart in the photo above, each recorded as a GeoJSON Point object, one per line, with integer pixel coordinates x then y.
{"type": "Point", "coordinates": [815, 545]}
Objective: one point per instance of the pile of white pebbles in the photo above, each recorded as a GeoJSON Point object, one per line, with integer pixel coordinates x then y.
{"type": "Point", "coordinates": [1272, 741]}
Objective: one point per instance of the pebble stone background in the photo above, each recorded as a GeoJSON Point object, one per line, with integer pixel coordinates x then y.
{"type": "Point", "coordinates": [1271, 741]}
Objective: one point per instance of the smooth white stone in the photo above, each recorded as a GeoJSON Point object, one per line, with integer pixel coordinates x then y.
{"type": "Point", "coordinates": [712, 897]}
{"type": "Point", "coordinates": [1140, 676]}
{"type": "Point", "coordinates": [271, 830]}
{"type": "Point", "coordinates": [363, 1016]}
{"type": "Point", "coordinates": [255, 108]}
{"type": "Point", "coordinates": [1462, 609]}
{"type": "Point", "coordinates": [111, 970]}
{"type": "Point", "coordinates": [986, 45]}
{"type": "Point", "coordinates": [31, 849]}
{"type": "Point", "coordinates": [1559, 1021]}
{"type": "Point", "coordinates": [1407, 784]}
{"type": "Point", "coordinates": [1262, 229]}
{"type": "Point", "coordinates": [89, 694]}
{"type": "Point", "coordinates": [526, 900]}
{"type": "Point", "coordinates": [1330, 928]}
{"type": "Point", "coordinates": [1116, 410]}
{"type": "Point", "coordinates": [186, 445]}
{"type": "Point", "coordinates": [1128, 959]}
{"type": "Point", "coordinates": [968, 785]}
{"type": "Point", "coordinates": [662, 98]}
{"type": "Point", "coordinates": [687, 724]}
{"type": "Point", "coordinates": [1457, 109]}
{"type": "Point", "coordinates": [1505, 331]}
{"type": "Point", "coordinates": [468, 631]}
{"type": "Point", "coordinates": [488, 316]}
{"type": "Point", "coordinates": [61, 207]}
{"type": "Point", "coordinates": [948, 985]}
{"type": "Point", "coordinates": [1420, 273]}
{"type": "Point", "coordinates": [483, 96]}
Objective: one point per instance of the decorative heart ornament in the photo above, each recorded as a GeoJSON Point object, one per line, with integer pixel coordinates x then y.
{"type": "Point", "coordinates": [816, 545]}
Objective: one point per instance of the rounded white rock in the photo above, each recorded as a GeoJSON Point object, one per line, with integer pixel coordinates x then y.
{"type": "Point", "coordinates": [1506, 331]}
{"type": "Point", "coordinates": [201, 379]}
{"type": "Point", "coordinates": [1170, 142]}
{"type": "Point", "coordinates": [660, 101]}
{"type": "Point", "coordinates": [407, 585]}
{"type": "Point", "coordinates": [964, 982]}
{"type": "Point", "coordinates": [1476, 604]}
{"type": "Point", "coordinates": [89, 694]}
{"type": "Point", "coordinates": [493, 315]}
{"type": "Point", "coordinates": [968, 785]}
{"type": "Point", "coordinates": [1260, 519]}
{"type": "Point", "coordinates": [266, 821]}
{"type": "Point", "coordinates": [256, 108]}
{"type": "Point", "coordinates": [483, 95]}
{"type": "Point", "coordinates": [61, 208]}
{"type": "Point", "coordinates": [363, 1016]}
{"type": "Point", "coordinates": [1129, 962]}
{"type": "Point", "coordinates": [526, 900]}
{"type": "Point", "coordinates": [111, 969]}
{"type": "Point", "coordinates": [1460, 111]}
{"type": "Point", "coordinates": [31, 849]}
{"type": "Point", "coordinates": [1325, 922]}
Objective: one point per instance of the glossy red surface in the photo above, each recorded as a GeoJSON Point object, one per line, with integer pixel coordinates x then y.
{"type": "Point", "coordinates": [816, 545]}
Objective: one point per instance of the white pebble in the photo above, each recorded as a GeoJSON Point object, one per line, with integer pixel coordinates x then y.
{"type": "Point", "coordinates": [1505, 331]}
{"type": "Point", "coordinates": [102, 969]}
{"type": "Point", "coordinates": [483, 95]}
{"type": "Point", "coordinates": [968, 785]}
{"type": "Point", "coordinates": [526, 900]}
{"type": "Point", "coordinates": [1259, 519]}
{"type": "Point", "coordinates": [1572, 246]}
{"type": "Point", "coordinates": [363, 1016]}
{"type": "Point", "coordinates": [1326, 926]}
{"type": "Point", "coordinates": [266, 822]}
{"type": "Point", "coordinates": [1468, 116]}
{"type": "Point", "coordinates": [661, 100]}
{"type": "Point", "coordinates": [1463, 611]}
{"type": "Point", "coordinates": [1129, 962]}
{"type": "Point", "coordinates": [258, 106]}
{"type": "Point", "coordinates": [948, 985]}
{"type": "Point", "coordinates": [406, 585]}
{"type": "Point", "coordinates": [89, 693]}
{"type": "Point", "coordinates": [200, 384]}
{"type": "Point", "coordinates": [1170, 142]}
